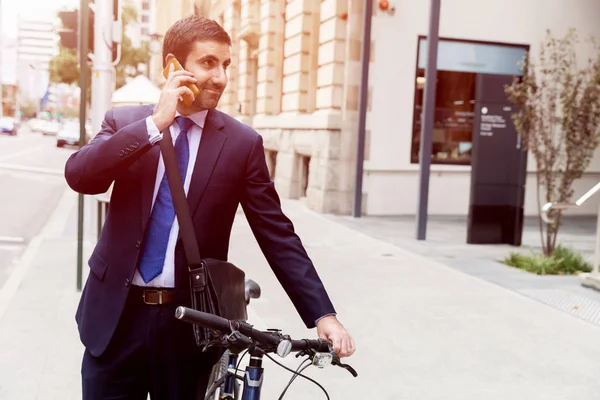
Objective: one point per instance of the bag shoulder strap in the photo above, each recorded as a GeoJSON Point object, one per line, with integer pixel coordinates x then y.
{"type": "Point", "coordinates": [182, 209]}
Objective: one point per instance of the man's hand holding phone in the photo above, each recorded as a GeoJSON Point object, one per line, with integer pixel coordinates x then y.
{"type": "Point", "coordinates": [173, 92]}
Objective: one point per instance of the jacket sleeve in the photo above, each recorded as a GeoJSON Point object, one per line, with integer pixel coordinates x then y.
{"type": "Point", "coordinates": [279, 243]}
{"type": "Point", "coordinates": [94, 167]}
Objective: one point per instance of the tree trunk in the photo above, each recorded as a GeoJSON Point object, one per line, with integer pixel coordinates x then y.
{"type": "Point", "coordinates": [556, 226]}
{"type": "Point", "coordinates": [540, 222]}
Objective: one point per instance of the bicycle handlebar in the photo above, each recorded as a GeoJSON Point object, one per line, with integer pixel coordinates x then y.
{"type": "Point", "coordinates": [215, 322]}
{"type": "Point", "coordinates": [266, 338]}
{"type": "Point", "coordinates": [274, 340]}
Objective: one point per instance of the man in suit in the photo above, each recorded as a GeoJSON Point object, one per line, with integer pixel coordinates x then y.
{"type": "Point", "coordinates": [134, 345]}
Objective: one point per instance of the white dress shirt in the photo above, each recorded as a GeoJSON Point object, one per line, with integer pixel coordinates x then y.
{"type": "Point", "coordinates": [167, 278]}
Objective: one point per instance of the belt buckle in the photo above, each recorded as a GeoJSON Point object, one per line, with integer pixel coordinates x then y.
{"type": "Point", "coordinates": [160, 297]}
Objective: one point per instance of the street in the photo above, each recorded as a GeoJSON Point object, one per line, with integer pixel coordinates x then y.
{"type": "Point", "coordinates": [31, 180]}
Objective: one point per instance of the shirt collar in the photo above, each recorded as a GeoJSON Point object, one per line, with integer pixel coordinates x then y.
{"type": "Point", "coordinates": [198, 117]}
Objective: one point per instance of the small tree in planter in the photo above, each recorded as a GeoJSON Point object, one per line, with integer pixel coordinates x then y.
{"type": "Point", "coordinates": [559, 120]}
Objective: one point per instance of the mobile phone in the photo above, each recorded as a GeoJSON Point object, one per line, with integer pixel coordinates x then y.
{"type": "Point", "coordinates": [187, 100]}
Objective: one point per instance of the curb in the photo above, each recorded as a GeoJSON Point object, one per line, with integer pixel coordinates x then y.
{"type": "Point", "coordinates": [23, 168]}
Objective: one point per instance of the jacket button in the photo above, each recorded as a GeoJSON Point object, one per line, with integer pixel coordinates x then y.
{"type": "Point", "coordinates": [127, 282]}
{"type": "Point", "coordinates": [138, 244]}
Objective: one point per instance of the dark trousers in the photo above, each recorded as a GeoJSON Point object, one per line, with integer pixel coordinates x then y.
{"type": "Point", "coordinates": [150, 352]}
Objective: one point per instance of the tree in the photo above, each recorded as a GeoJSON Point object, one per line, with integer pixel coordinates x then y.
{"type": "Point", "coordinates": [65, 66]}
{"type": "Point", "coordinates": [131, 57]}
{"type": "Point", "coordinates": [559, 120]}
{"type": "Point", "coordinates": [28, 108]}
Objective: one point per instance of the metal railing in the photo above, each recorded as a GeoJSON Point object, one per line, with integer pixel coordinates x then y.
{"type": "Point", "coordinates": [102, 201]}
{"type": "Point", "coordinates": [563, 206]}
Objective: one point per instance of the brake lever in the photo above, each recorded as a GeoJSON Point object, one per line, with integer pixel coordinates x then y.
{"type": "Point", "coordinates": [338, 363]}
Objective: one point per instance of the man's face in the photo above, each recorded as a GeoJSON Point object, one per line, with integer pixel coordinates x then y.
{"type": "Point", "coordinates": [208, 61]}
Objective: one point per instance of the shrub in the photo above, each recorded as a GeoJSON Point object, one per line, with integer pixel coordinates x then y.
{"type": "Point", "coordinates": [564, 261]}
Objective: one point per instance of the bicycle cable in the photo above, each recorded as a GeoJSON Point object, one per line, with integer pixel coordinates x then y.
{"type": "Point", "coordinates": [299, 370]}
{"type": "Point", "coordinates": [299, 374]}
{"type": "Point", "coordinates": [237, 367]}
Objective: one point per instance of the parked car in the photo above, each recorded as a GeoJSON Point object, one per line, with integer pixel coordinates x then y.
{"type": "Point", "coordinates": [36, 124]}
{"type": "Point", "coordinates": [68, 134]}
{"type": "Point", "coordinates": [50, 128]}
{"type": "Point", "coordinates": [7, 125]}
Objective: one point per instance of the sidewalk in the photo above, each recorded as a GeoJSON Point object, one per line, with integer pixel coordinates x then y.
{"type": "Point", "coordinates": [424, 330]}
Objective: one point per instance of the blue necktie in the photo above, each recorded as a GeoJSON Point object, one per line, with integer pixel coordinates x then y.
{"type": "Point", "coordinates": [163, 213]}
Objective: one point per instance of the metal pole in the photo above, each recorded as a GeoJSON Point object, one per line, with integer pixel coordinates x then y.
{"type": "Point", "coordinates": [362, 112]}
{"type": "Point", "coordinates": [102, 70]}
{"type": "Point", "coordinates": [83, 83]}
{"type": "Point", "coordinates": [597, 252]}
{"type": "Point", "coordinates": [1, 51]}
{"type": "Point", "coordinates": [428, 118]}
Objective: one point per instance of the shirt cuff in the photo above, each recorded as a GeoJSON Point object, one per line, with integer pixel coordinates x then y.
{"type": "Point", "coordinates": [326, 315]}
{"type": "Point", "coordinates": [154, 134]}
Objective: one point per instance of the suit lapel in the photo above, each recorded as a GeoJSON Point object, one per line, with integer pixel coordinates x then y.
{"type": "Point", "coordinates": [211, 144]}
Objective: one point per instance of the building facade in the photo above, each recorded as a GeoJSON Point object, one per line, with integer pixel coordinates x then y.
{"type": "Point", "coordinates": [37, 44]}
{"type": "Point", "coordinates": [296, 73]}
{"type": "Point", "coordinates": [141, 31]}
{"type": "Point", "coordinates": [168, 11]}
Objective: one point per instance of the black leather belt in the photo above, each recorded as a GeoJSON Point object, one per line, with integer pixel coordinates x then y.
{"type": "Point", "coordinates": [153, 296]}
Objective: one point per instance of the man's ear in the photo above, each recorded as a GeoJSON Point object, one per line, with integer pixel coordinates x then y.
{"type": "Point", "coordinates": [168, 58]}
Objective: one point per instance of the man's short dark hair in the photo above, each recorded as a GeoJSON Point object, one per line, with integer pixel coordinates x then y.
{"type": "Point", "coordinates": [182, 35]}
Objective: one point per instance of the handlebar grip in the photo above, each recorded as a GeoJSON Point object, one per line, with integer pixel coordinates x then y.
{"type": "Point", "coordinates": [203, 319]}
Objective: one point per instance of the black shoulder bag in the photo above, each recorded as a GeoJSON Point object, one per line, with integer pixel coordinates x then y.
{"type": "Point", "coordinates": [216, 286]}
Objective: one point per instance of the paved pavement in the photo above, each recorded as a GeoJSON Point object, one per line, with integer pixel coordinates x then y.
{"type": "Point", "coordinates": [446, 243]}
{"type": "Point", "coordinates": [424, 330]}
{"type": "Point", "coordinates": [32, 182]}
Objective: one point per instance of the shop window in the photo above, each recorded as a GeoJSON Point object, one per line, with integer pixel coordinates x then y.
{"type": "Point", "coordinates": [459, 63]}
{"type": "Point", "coordinates": [453, 117]}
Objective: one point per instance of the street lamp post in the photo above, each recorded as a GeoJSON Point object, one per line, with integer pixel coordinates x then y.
{"type": "Point", "coordinates": [1, 50]}
{"type": "Point", "coordinates": [428, 118]}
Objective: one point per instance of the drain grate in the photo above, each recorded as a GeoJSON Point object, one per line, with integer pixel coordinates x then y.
{"type": "Point", "coordinates": [579, 306]}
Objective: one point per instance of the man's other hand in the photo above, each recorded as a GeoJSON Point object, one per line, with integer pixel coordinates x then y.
{"type": "Point", "coordinates": [330, 328]}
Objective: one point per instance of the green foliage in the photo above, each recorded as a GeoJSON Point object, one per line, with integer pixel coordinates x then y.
{"type": "Point", "coordinates": [131, 57]}
{"type": "Point", "coordinates": [564, 261]}
{"type": "Point", "coordinates": [28, 108]}
{"type": "Point", "coordinates": [64, 68]}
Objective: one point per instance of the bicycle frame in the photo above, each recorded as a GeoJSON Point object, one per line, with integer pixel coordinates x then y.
{"type": "Point", "coordinates": [253, 378]}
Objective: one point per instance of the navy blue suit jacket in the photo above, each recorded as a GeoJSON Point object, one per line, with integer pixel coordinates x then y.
{"type": "Point", "coordinates": [230, 170]}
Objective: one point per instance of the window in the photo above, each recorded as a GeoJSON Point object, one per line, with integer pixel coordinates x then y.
{"type": "Point", "coordinates": [145, 18]}
{"type": "Point", "coordinates": [453, 117]}
{"type": "Point", "coordinates": [304, 174]}
{"type": "Point", "coordinates": [459, 64]}
{"type": "Point", "coordinates": [271, 157]}
{"type": "Point", "coordinates": [145, 31]}
{"type": "Point", "coordinates": [145, 5]}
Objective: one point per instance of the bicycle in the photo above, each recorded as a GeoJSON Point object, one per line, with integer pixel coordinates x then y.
{"type": "Point", "coordinates": [240, 336]}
